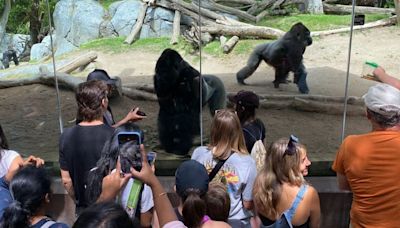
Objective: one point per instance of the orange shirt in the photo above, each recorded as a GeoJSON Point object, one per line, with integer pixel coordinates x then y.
{"type": "Point", "coordinates": [371, 164]}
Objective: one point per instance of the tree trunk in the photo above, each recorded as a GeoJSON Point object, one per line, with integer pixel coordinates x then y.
{"type": "Point", "coordinates": [34, 22]}
{"type": "Point", "coordinates": [244, 31]}
{"type": "Point", "coordinates": [314, 7]}
{"type": "Point", "coordinates": [228, 46]}
{"type": "Point", "coordinates": [176, 31]}
{"type": "Point", "coordinates": [344, 9]}
{"type": "Point", "coordinates": [211, 5]}
{"type": "Point", "coordinates": [397, 4]}
{"type": "Point", "coordinates": [380, 23]}
{"type": "Point", "coordinates": [138, 25]}
{"type": "Point", "coordinates": [76, 63]}
{"type": "Point", "coordinates": [4, 18]}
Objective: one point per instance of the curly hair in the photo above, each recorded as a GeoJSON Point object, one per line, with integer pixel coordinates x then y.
{"type": "Point", "coordinates": [89, 97]}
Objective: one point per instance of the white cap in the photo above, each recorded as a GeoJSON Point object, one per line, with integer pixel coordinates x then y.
{"type": "Point", "coordinates": [383, 99]}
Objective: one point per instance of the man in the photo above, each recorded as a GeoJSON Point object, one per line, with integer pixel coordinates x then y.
{"type": "Point", "coordinates": [113, 87]}
{"type": "Point", "coordinates": [369, 164]}
{"type": "Point", "coordinates": [81, 145]}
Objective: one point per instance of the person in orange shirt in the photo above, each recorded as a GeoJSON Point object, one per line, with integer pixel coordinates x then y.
{"type": "Point", "coordinates": [369, 164]}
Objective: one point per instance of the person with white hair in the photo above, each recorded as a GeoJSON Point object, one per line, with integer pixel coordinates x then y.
{"type": "Point", "coordinates": [368, 164]}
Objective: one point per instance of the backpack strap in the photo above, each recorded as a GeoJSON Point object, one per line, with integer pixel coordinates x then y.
{"type": "Point", "coordinates": [217, 167]}
{"type": "Point", "coordinates": [47, 224]}
{"type": "Point", "coordinates": [255, 138]}
{"type": "Point", "coordinates": [299, 197]}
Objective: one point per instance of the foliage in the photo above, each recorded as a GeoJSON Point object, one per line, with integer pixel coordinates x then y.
{"type": "Point", "coordinates": [18, 20]}
{"type": "Point", "coordinates": [107, 3]}
{"type": "Point", "coordinates": [315, 22]}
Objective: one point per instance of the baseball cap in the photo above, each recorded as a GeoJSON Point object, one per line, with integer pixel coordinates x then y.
{"type": "Point", "coordinates": [245, 98]}
{"type": "Point", "coordinates": [99, 74]}
{"type": "Point", "coordinates": [191, 175]}
{"type": "Point", "coordinates": [383, 99]}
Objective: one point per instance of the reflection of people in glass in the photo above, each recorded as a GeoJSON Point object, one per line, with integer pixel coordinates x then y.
{"type": "Point", "coordinates": [239, 169]}
{"type": "Point", "coordinates": [368, 164]}
{"type": "Point", "coordinates": [384, 77]}
{"type": "Point", "coordinates": [246, 103]}
{"type": "Point", "coordinates": [112, 85]}
{"type": "Point", "coordinates": [280, 191]}
{"type": "Point", "coordinates": [81, 145]}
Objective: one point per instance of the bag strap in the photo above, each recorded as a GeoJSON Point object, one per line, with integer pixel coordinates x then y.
{"type": "Point", "coordinates": [260, 131]}
{"type": "Point", "coordinates": [47, 224]}
{"type": "Point", "coordinates": [217, 167]}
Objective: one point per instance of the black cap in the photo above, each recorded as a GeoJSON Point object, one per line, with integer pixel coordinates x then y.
{"type": "Point", "coordinates": [191, 174]}
{"type": "Point", "coordinates": [99, 74]}
{"type": "Point", "coordinates": [245, 98]}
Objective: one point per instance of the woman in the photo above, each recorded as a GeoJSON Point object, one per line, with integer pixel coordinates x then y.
{"type": "Point", "coordinates": [227, 159]}
{"type": "Point", "coordinates": [106, 164]}
{"type": "Point", "coordinates": [191, 185]}
{"type": "Point", "coordinates": [280, 191]}
{"type": "Point", "coordinates": [10, 160]}
{"type": "Point", "coordinates": [246, 103]}
{"type": "Point", "coordinates": [30, 189]}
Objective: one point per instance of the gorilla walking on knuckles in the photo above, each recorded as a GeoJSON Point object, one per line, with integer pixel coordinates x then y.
{"type": "Point", "coordinates": [285, 55]}
{"type": "Point", "coordinates": [177, 87]}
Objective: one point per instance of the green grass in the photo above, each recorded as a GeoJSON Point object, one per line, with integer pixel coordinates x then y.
{"type": "Point", "coordinates": [107, 3]}
{"type": "Point", "coordinates": [242, 47]}
{"type": "Point", "coordinates": [116, 45]}
{"type": "Point", "coordinates": [315, 22]}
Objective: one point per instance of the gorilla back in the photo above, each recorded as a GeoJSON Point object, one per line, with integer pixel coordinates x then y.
{"type": "Point", "coordinates": [177, 87]}
{"type": "Point", "coordinates": [285, 55]}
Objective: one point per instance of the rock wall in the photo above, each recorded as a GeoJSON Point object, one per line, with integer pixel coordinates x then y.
{"type": "Point", "coordinates": [79, 21]}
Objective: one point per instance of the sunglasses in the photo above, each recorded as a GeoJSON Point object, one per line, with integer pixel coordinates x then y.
{"type": "Point", "coordinates": [220, 110]}
{"type": "Point", "coordinates": [291, 147]}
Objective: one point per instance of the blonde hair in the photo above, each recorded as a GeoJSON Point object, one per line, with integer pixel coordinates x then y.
{"type": "Point", "coordinates": [226, 134]}
{"type": "Point", "coordinates": [279, 168]}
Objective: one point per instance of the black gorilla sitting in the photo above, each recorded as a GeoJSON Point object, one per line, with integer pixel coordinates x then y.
{"type": "Point", "coordinates": [285, 55]}
{"type": "Point", "coordinates": [177, 87]}
{"type": "Point", "coordinates": [8, 56]}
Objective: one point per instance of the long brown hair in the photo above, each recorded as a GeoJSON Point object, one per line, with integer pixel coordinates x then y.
{"type": "Point", "coordinates": [279, 168]}
{"type": "Point", "coordinates": [226, 134]}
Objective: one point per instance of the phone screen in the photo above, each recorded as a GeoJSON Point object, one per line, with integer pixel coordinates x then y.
{"type": "Point", "coordinates": [125, 137]}
{"type": "Point", "coordinates": [151, 157]}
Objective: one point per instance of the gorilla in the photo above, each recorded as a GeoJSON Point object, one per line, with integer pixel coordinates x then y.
{"type": "Point", "coordinates": [285, 55]}
{"type": "Point", "coordinates": [8, 56]}
{"type": "Point", "coordinates": [177, 87]}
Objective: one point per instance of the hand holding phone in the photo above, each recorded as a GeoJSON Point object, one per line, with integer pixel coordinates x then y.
{"type": "Point", "coordinates": [151, 157]}
{"type": "Point", "coordinates": [129, 151]}
{"type": "Point", "coordinates": [140, 113]}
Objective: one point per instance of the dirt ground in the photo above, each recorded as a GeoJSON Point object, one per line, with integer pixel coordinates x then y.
{"type": "Point", "coordinates": [29, 114]}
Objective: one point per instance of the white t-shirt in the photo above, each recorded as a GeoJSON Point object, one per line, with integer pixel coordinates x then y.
{"type": "Point", "coordinates": [238, 173]}
{"type": "Point", "coordinates": [146, 202]}
{"type": "Point", "coordinates": [7, 157]}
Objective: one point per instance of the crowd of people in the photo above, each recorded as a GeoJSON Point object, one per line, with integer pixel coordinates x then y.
{"type": "Point", "coordinates": [220, 186]}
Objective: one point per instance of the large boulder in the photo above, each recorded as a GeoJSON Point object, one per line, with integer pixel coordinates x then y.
{"type": "Point", "coordinates": [43, 49]}
{"type": "Point", "coordinates": [77, 22]}
{"type": "Point", "coordinates": [124, 15]}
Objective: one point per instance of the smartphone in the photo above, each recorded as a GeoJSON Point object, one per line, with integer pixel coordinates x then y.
{"type": "Point", "coordinates": [129, 151]}
{"type": "Point", "coordinates": [151, 157]}
{"type": "Point", "coordinates": [140, 113]}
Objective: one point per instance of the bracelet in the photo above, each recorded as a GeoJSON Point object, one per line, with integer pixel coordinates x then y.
{"type": "Point", "coordinates": [161, 194]}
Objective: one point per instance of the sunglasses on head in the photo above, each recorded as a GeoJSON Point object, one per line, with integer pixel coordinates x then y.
{"type": "Point", "coordinates": [229, 110]}
{"type": "Point", "coordinates": [291, 147]}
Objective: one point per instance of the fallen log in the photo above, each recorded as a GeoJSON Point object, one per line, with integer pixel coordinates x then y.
{"type": "Point", "coordinates": [176, 29]}
{"type": "Point", "coordinates": [145, 87]}
{"type": "Point", "coordinates": [379, 23]}
{"type": "Point", "coordinates": [260, 6]}
{"type": "Point", "coordinates": [213, 6]}
{"type": "Point", "coordinates": [228, 46]}
{"type": "Point", "coordinates": [243, 31]}
{"type": "Point", "coordinates": [138, 25]}
{"type": "Point", "coordinates": [76, 63]}
{"type": "Point", "coordinates": [345, 9]}
{"type": "Point", "coordinates": [243, 2]}
{"type": "Point", "coordinates": [139, 94]}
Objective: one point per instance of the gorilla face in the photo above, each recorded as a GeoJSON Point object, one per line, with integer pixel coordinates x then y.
{"type": "Point", "coordinates": [302, 34]}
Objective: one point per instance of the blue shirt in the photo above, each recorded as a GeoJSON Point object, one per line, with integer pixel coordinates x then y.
{"type": "Point", "coordinates": [55, 225]}
{"type": "Point", "coordinates": [5, 196]}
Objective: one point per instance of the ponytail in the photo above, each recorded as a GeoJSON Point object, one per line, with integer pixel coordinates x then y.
{"type": "Point", "coordinates": [15, 215]}
{"type": "Point", "coordinates": [194, 209]}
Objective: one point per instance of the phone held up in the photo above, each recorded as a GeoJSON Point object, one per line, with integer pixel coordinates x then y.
{"type": "Point", "coordinates": [129, 148]}
{"type": "Point", "coordinates": [140, 113]}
